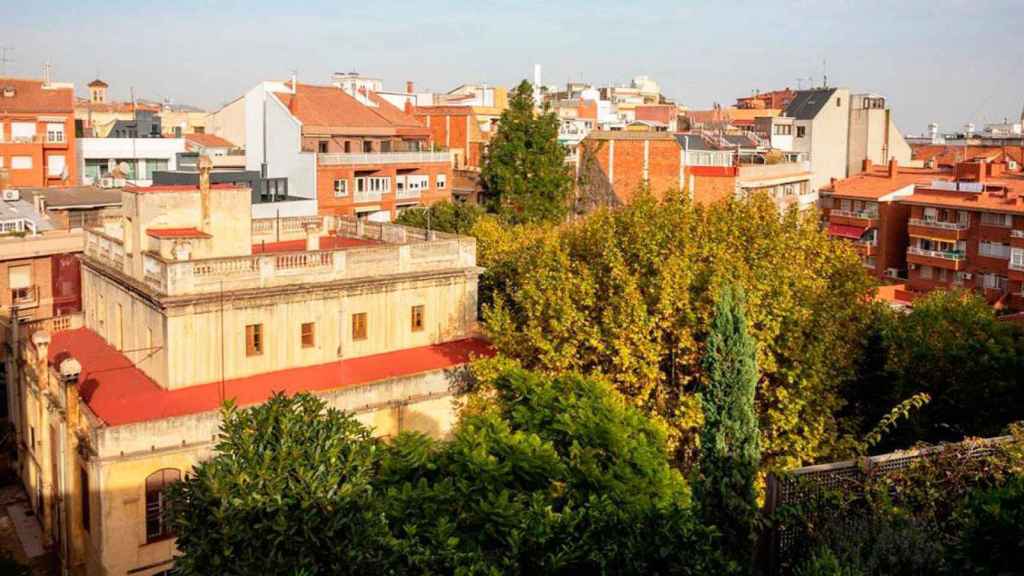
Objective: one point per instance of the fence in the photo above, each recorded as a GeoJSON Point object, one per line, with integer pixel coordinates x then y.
{"type": "Point", "coordinates": [803, 484]}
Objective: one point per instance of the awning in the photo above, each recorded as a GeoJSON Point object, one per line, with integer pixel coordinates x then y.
{"type": "Point", "coordinates": [846, 231]}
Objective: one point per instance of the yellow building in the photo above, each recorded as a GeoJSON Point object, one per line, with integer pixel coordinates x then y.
{"type": "Point", "coordinates": [188, 302]}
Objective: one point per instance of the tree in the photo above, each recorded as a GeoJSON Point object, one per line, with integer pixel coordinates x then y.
{"type": "Point", "coordinates": [729, 446]}
{"type": "Point", "coordinates": [453, 217]}
{"type": "Point", "coordinates": [524, 167]}
{"type": "Point", "coordinates": [627, 294]}
{"type": "Point", "coordinates": [548, 476]}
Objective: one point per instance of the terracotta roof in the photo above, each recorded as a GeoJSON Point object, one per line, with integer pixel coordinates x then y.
{"type": "Point", "coordinates": [1004, 194]}
{"type": "Point", "coordinates": [114, 107]}
{"type": "Point", "coordinates": [98, 83]}
{"type": "Point", "coordinates": [876, 183]}
{"type": "Point", "coordinates": [629, 135]}
{"type": "Point", "coordinates": [206, 141]}
{"type": "Point", "coordinates": [895, 294]}
{"type": "Point", "coordinates": [119, 393]}
{"type": "Point", "coordinates": [949, 155]}
{"type": "Point", "coordinates": [330, 107]}
{"type": "Point", "coordinates": [176, 233]}
{"type": "Point", "coordinates": [31, 97]}
{"type": "Point", "coordinates": [326, 243]}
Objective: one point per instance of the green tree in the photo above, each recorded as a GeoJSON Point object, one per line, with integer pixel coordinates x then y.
{"type": "Point", "coordinates": [524, 167]}
{"type": "Point", "coordinates": [548, 476]}
{"type": "Point", "coordinates": [628, 294]}
{"type": "Point", "coordinates": [730, 452]}
{"type": "Point", "coordinates": [453, 217]}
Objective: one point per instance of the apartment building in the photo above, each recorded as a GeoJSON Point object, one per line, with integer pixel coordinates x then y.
{"type": "Point", "coordinates": [37, 133]}
{"type": "Point", "coordinates": [968, 231]}
{"type": "Point", "coordinates": [838, 131]}
{"type": "Point", "coordinates": [99, 116]}
{"type": "Point", "coordinates": [117, 161]}
{"type": "Point", "coordinates": [867, 210]}
{"type": "Point", "coordinates": [457, 130]}
{"type": "Point", "coordinates": [325, 150]}
{"type": "Point", "coordinates": [187, 302]}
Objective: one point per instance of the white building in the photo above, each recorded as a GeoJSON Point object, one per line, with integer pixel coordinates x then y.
{"type": "Point", "coordinates": [133, 159]}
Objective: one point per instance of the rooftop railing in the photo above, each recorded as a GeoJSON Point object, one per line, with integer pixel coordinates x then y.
{"type": "Point", "coordinates": [938, 224]}
{"type": "Point", "coordinates": [383, 158]}
{"type": "Point", "coordinates": [862, 214]}
{"type": "Point", "coordinates": [954, 255]}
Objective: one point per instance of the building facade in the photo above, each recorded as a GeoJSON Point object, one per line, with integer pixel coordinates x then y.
{"type": "Point", "coordinates": [37, 133]}
{"type": "Point", "coordinates": [187, 302]}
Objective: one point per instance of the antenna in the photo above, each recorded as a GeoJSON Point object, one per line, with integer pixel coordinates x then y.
{"type": "Point", "coordinates": [824, 73]}
{"type": "Point", "coordinates": [47, 69]}
{"type": "Point", "coordinates": [4, 50]}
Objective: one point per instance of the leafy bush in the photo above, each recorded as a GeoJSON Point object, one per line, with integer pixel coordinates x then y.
{"type": "Point", "coordinates": [991, 540]}
{"type": "Point", "coordinates": [453, 217]}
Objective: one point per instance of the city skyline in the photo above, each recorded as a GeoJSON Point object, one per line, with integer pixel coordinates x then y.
{"type": "Point", "coordinates": [207, 54]}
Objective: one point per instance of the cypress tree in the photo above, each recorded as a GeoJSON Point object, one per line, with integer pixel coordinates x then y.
{"type": "Point", "coordinates": [730, 449]}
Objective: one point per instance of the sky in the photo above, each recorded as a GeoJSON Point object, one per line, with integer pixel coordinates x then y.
{"type": "Point", "coordinates": [945, 61]}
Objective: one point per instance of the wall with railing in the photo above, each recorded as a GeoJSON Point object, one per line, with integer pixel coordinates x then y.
{"type": "Point", "coordinates": [383, 158]}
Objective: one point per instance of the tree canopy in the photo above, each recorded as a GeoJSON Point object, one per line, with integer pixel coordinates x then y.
{"type": "Point", "coordinates": [628, 293]}
{"type": "Point", "coordinates": [447, 216]}
{"type": "Point", "coordinates": [550, 476]}
{"type": "Point", "coordinates": [524, 167]}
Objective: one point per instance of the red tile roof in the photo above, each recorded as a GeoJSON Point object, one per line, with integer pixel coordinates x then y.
{"type": "Point", "coordinates": [949, 155]}
{"type": "Point", "coordinates": [324, 108]}
{"type": "Point", "coordinates": [115, 107]}
{"type": "Point", "coordinates": [119, 393]}
{"type": "Point", "coordinates": [1004, 194]}
{"type": "Point", "coordinates": [32, 98]}
{"type": "Point", "coordinates": [326, 243]}
{"type": "Point", "coordinates": [206, 141]}
{"type": "Point", "coordinates": [177, 233]}
{"type": "Point", "coordinates": [876, 183]}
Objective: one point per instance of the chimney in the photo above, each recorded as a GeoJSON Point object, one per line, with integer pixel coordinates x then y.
{"type": "Point", "coordinates": [408, 106]}
{"type": "Point", "coordinates": [205, 166]}
{"type": "Point", "coordinates": [410, 88]}
{"type": "Point", "coordinates": [867, 165]}
{"type": "Point", "coordinates": [69, 370]}
{"type": "Point", "coordinates": [295, 82]}
{"type": "Point", "coordinates": [894, 168]}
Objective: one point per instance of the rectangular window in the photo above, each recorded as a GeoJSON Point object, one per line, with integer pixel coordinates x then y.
{"type": "Point", "coordinates": [417, 318]}
{"type": "Point", "coordinates": [340, 187]}
{"type": "Point", "coordinates": [322, 146]}
{"type": "Point", "coordinates": [348, 147]}
{"type": "Point", "coordinates": [994, 250]}
{"type": "Point", "coordinates": [308, 335]}
{"type": "Point", "coordinates": [83, 486]}
{"type": "Point", "coordinates": [1017, 258]}
{"type": "Point", "coordinates": [442, 181]}
{"type": "Point", "coordinates": [417, 182]}
{"type": "Point", "coordinates": [931, 214]}
{"type": "Point", "coordinates": [23, 131]}
{"type": "Point", "coordinates": [55, 166]}
{"type": "Point", "coordinates": [254, 339]}
{"type": "Point", "coordinates": [153, 165]}
{"type": "Point", "coordinates": [21, 162]}
{"type": "Point", "coordinates": [800, 131]}
{"type": "Point", "coordinates": [359, 326]}
{"type": "Point", "coordinates": [385, 146]}
{"type": "Point", "coordinates": [367, 146]}
{"type": "Point", "coordinates": [1001, 220]}
{"type": "Point", "coordinates": [55, 133]}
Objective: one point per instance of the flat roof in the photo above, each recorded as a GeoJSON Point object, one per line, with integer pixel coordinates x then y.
{"type": "Point", "coordinates": [875, 183]}
{"type": "Point", "coordinates": [118, 393]}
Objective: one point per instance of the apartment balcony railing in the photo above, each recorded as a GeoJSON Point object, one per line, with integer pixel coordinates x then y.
{"type": "Point", "coordinates": [35, 139]}
{"type": "Point", "coordinates": [407, 194]}
{"type": "Point", "coordinates": [1017, 233]}
{"type": "Point", "coordinates": [1018, 266]}
{"type": "Point", "coordinates": [862, 214]}
{"type": "Point", "coordinates": [383, 158]}
{"type": "Point", "coordinates": [953, 255]}
{"type": "Point", "coordinates": [937, 224]}
{"type": "Point", "coordinates": [368, 196]}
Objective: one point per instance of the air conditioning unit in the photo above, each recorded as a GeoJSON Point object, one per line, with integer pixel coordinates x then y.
{"type": "Point", "coordinates": [10, 195]}
{"type": "Point", "coordinates": [106, 182]}
{"type": "Point", "coordinates": [913, 266]}
{"type": "Point", "coordinates": [967, 276]}
{"type": "Point", "coordinates": [892, 272]}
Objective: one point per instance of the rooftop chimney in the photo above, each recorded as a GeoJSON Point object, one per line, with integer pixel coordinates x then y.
{"type": "Point", "coordinates": [894, 168]}
{"type": "Point", "coordinates": [867, 165]}
{"type": "Point", "coordinates": [410, 88]}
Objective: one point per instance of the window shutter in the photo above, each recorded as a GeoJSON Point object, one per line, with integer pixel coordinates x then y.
{"type": "Point", "coordinates": [20, 276]}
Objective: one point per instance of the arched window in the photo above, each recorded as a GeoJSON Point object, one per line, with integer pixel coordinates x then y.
{"type": "Point", "coordinates": [156, 503]}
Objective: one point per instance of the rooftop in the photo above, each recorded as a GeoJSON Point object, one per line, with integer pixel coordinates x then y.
{"type": "Point", "coordinates": [329, 108]}
{"type": "Point", "coordinates": [875, 183]}
{"type": "Point", "coordinates": [1004, 194]}
{"type": "Point", "coordinates": [72, 197]}
{"type": "Point", "coordinates": [118, 393]}
{"type": "Point", "coordinates": [807, 103]}
{"type": "Point", "coordinates": [206, 141]}
{"type": "Point", "coordinates": [20, 95]}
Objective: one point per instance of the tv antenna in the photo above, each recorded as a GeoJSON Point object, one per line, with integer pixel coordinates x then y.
{"type": "Point", "coordinates": [4, 59]}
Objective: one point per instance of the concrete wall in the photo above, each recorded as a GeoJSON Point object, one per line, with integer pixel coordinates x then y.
{"type": "Point", "coordinates": [828, 136]}
{"type": "Point", "coordinates": [114, 150]}
{"type": "Point", "coordinates": [281, 150]}
{"type": "Point", "coordinates": [229, 122]}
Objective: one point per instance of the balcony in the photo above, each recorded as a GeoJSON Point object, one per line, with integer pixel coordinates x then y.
{"type": "Point", "coordinates": [407, 193]}
{"type": "Point", "coordinates": [865, 248]}
{"type": "Point", "coordinates": [949, 259]}
{"type": "Point", "coordinates": [1015, 270]}
{"type": "Point", "coordinates": [937, 229]}
{"type": "Point", "coordinates": [384, 158]}
{"type": "Point", "coordinates": [853, 217]}
{"type": "Point", "coordinates": [367, 196]}
{"type": "Point", "coordinates": [1017, 238]}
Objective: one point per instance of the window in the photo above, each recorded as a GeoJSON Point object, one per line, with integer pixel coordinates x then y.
{"type": "Point", "coordinates": [340, 187]}
{"type": "Point", "coordinates": [153, 165]}
{"type": "Point", "coordinates": [993, 250]}
{"type": "Point", "coordinates": [308, 335]}
{"type": "Point", "coordinates": [782, 129]}
{"type": "Point", "coordinates": [199, 129]}
{"type": "Point", "coordinates": [359, 326]}
{"type": "Point", "coordinates": [55, 166]}
{"type": "Point", "coordinates": [157, 526]}
{"type": "Point", "coordinates": [367, 146]}
{"type": "Point", "coordinates": [442, 181]}
{"type": "Point", "coordinates": [417, 318]}
{"type": "Point", "coordinates": [839, 102]}
{"type": "Point", "coordinates": [254, 339]}
{"type": "Point", "coordinates": [993, 282]}
{"type": "Point", "coordinates": [21, 162]}
{"type": "Point", "coordinates": [23, 131]}
{"type": "Point", "coordinates": [1017, 258]}
{"type": "Point", "coordinates": [322, 147]}
{"type": "Point", "coordinates": [931, 214]}
{"type": "Point", "coordinates": [418, 182]}
{"type": "Point", "coordinates": [19, 279]}
{"type": "Point", "coordinates": [385, 145]}
{"type": "Point", "coordinates": [801, 131]}
{"type": "Point", "coordinates": [55, 133]}
{"type": "Point", "coordinates": [348, 147]}
{"type": "Point", "coordinates": [1001, 220]}
{"type": "Point", "coordinates": [83, 487]}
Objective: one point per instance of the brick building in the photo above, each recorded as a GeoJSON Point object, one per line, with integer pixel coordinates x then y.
{"type": "Point", "coordinates": [456, 129]}
{"type": "Point", "coordinates": [37, 133]}
{"type": "Point", "coordinates": [776, 99]}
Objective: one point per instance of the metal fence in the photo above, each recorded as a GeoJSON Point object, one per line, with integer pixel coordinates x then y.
{"type": "Point", "coordinates": [849, 476]}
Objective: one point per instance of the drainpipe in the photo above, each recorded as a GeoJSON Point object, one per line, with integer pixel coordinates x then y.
{"type": "Point", "coordinates": [69, 371]}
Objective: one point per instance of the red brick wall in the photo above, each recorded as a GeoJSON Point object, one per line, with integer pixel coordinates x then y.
{"type": "Point", "coordinates": [454, 130]}
{"type": "Point", "coordinates": [346, 205]}
{"type": "Point", "coordinates": [708, 189]}
{"type": "Point", "coordinates": [656, 113]}
{"type": "Point", "coordinates": [628, 170]}
{"type": "Point", "coordinates": [892, 237]}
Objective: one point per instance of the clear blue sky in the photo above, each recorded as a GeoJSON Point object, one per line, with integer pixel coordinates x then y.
{"type": "Point", "coordinates": [949, 61]}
